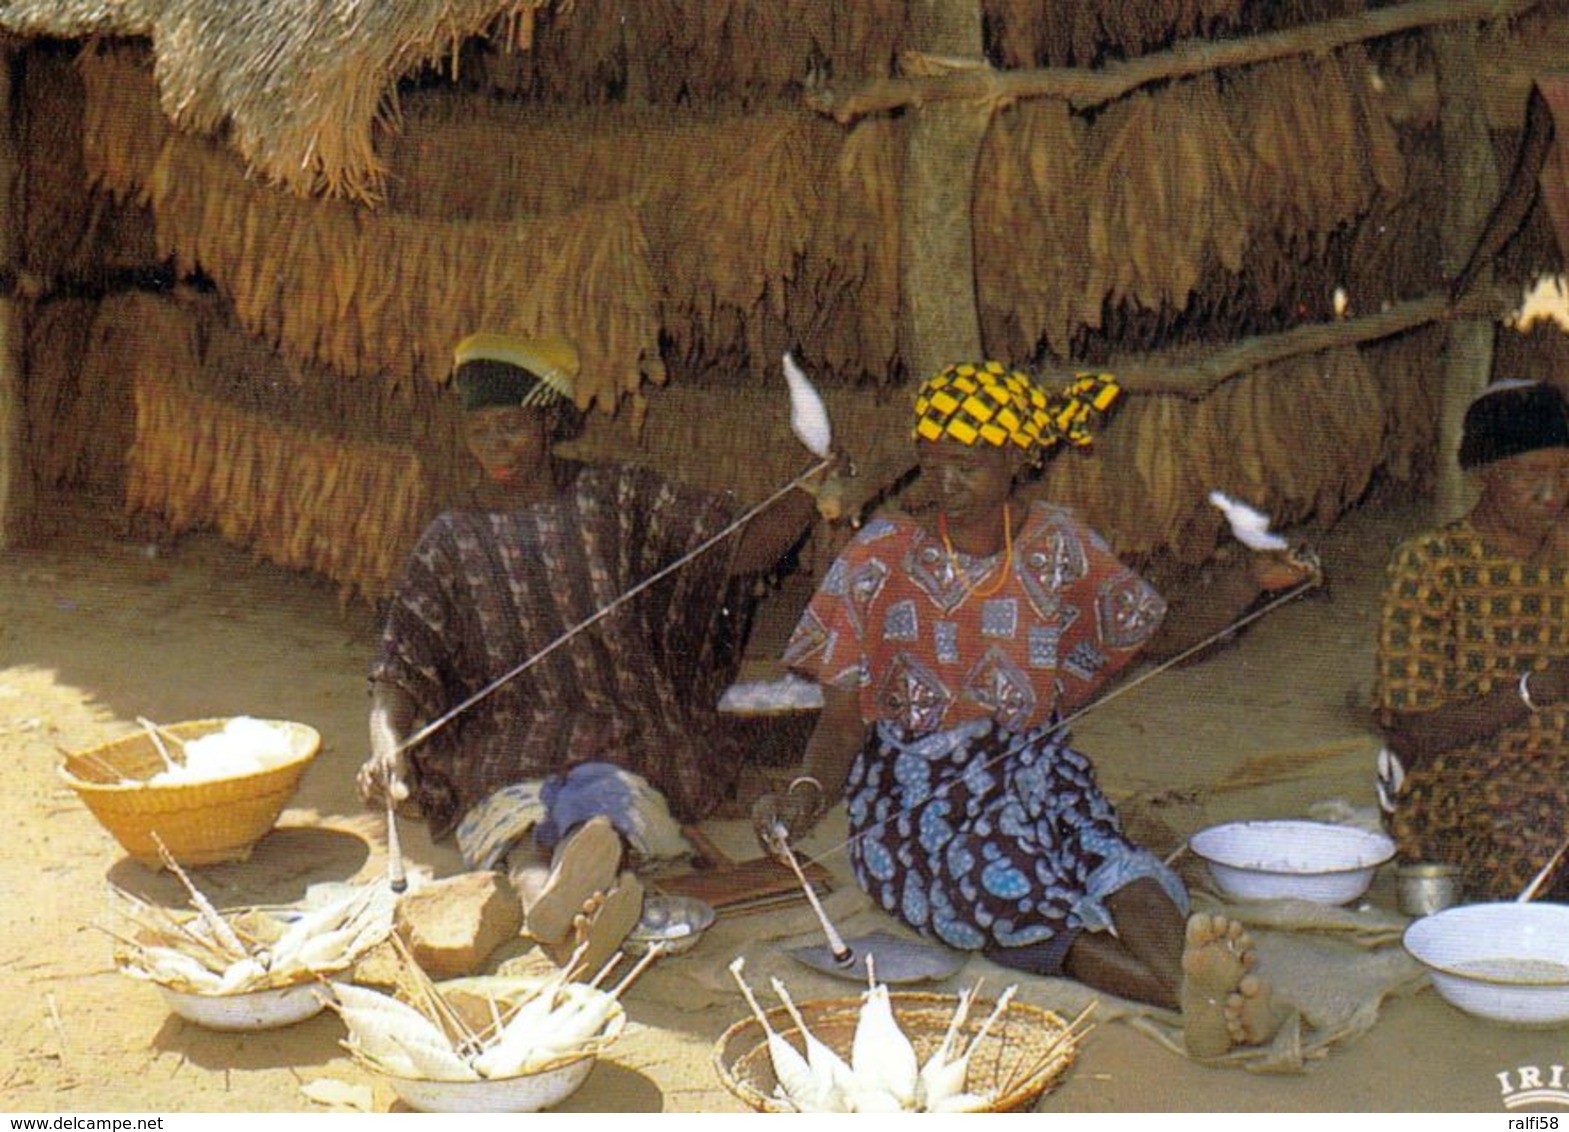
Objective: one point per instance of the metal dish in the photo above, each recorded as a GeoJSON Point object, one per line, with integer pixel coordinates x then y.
{"type": "Point", "coordinates": [1427, 888]}
{"type": "Point", "coordinates": [529, 1092]}
{"type": "Point", "coordinates": [1504, 962]}
{"type": "Point", "coordinates": [1303, 860]}
{"type": "Point", "coordinates": [539, 1088]}
{"type": "Point", "coordinates": [256, 1010]}
{"type": "Point", "coordinates": [678, 922]}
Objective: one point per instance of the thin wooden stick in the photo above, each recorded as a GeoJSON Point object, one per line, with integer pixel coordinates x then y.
{"type": "Point", "coordinates": [210, 915]}
{"type": "Point", "coordinates": [440, 1011]}
{"type": "Point", "coordinates": [153, 733]}
{"type": "Point", "coordinates": [842, 954]}
{"type": "Point", "coordinates": [1542, 877]}
{"type": "Point", "coordinates": [397, 878]}
{"type": "Point", "coordinates": [604, 972]}
{"type": "Point", "coordinates": [170, 923]}
{"type": "Point", "coordinates": [654, 951]}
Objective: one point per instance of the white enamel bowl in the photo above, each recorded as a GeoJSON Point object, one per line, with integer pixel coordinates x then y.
{"type": "Point", "coordinates": [538, 1089]}
{"type": "Point", "coordinates": [1503, 962]}
{"type": "Point", "coordinates": [677, 922]}
{"type": "Point", "coordinates": [1302, 860]}
{"type": "Point", "coordinates": [528, 1093]}
{"type": "Point", "coordinates": [257, 1010]}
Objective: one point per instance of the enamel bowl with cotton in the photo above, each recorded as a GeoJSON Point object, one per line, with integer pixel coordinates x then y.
{"type": "Point", "coordinates": [1506, 962]}
{"type": "Point", "coordinates": [254, 968]}
{"type": "Point", "coordinates": [269, 1009]}
{"type": "Point", "coordinates": [1320, 862]}
{"type": "Point", "coordinates": [500, 1044]}
{"type": "Point", "coordinates": [676, 922]}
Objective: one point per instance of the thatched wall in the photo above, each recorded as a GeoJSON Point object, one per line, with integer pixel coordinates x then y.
{"type": "Point", "coordinates": [735, 235]}
{"type": "Point", "coordinates": [224, 437]}
{"type": "Point", "coordinates": [688, 221]}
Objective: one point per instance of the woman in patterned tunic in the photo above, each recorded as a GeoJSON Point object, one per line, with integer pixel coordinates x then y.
{"type": "Point", "coordinates": [1473, 658]}
{"type": "Point", "coordinates": [612, 737]}
{"type": "Point", "coordinates": [947, 647]}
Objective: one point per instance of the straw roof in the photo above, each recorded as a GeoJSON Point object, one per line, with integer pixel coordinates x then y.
{"type": "Point", "coordinates": [300, 86]}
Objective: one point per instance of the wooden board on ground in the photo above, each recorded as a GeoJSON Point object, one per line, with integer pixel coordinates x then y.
{"type": "Point", "coordinates": [734, 888]}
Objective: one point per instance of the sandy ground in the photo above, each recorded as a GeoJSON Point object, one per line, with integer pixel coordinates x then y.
{"type": "Point", "coordinates": [97, 630]}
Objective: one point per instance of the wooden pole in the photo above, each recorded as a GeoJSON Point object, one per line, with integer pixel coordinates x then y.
{"type": "Point", "coordinates": [1471, 186]}
{"type": "Point", "coordinates": [940, 320]}
{"type": "Point", "coordinates": [1199, 376]}
{"type": "Point", "coordinates": [15, 496]}
{"type": "Point", "coordinates": [1085, 87]}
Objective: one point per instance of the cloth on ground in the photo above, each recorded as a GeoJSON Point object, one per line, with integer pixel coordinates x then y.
{"type": "Point", "coordinates": [1332, 967]}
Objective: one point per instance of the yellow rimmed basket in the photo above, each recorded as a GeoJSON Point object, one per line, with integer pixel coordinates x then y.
{"type": "Point", "coordinates": [1021, 1057]}
{"type": "Point", "coordinates": [201, 823]}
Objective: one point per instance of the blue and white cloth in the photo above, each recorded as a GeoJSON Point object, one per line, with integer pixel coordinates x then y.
{"type": "Point", "coordinates": [552, 807]}
{"type": "Point", "coordinates": [990, 839]}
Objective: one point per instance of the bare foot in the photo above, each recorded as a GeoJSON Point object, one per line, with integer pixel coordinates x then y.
{"type": "Point", "coordinates": [1215, 965]}
{"type": "Point", "coordinates": [600, 927]}
{"type": "Point", "coordinates": [1252, 1016]}
{"type": "Point", "coordinates": [584, 865]}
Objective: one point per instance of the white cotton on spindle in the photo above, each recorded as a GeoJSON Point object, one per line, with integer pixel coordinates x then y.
{"type": "Point", "coordinates": [1250, 526]}
{"type": "Point", "coordinates": [808, 416]}
{"type": "Point", "coordinates": [881, 1055]}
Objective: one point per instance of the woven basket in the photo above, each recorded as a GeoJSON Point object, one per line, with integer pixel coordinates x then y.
{"type": "Point", "coordinates": [201, 823]}
{"type": "Point", "coordinates": [1018, 1060]}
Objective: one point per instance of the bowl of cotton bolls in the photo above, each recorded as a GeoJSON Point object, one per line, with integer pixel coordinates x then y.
{"type": "Point", "coordinates": [208, 790]}
{"type": "Point", "coordinates": [249, 968]}
{"type": "Point", "coordinates": [484, 1044]}
{"type": "Point", "coordinates": [888, 1052]}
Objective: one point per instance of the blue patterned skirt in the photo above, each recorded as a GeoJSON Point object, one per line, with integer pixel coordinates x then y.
{"type": "Point", "coordinates": [991, 840]}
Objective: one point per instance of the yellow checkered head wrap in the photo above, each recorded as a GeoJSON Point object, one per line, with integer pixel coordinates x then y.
{"type": "Point", "coordinates": [987, 403]}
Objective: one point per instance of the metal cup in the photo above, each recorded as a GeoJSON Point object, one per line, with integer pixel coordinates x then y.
{"type": "Point", "coordinates": [1427, 887]}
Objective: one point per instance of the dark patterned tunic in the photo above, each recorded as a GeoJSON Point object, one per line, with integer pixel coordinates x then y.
{"type": "Point", "coordinates": [485, 591]}
{"type": "Point", "coordinates": [969, 818]}
{"type": "Point", "coordinates": [1459, 620]}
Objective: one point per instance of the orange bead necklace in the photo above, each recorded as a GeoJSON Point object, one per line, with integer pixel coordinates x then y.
{"type": "Point", "coordinates": [1007, 557]}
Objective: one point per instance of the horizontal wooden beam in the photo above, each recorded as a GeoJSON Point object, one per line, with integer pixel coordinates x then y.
{"type": "Point", "coordinates": [1155, 374]}
{"type": "Point", "coordinates": [974, 80]}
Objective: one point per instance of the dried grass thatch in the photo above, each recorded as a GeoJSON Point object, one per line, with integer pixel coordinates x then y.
{"type": "Point", "coordinates": [303, 495]}
{"type": "Point", "coordinates": [78, 418]}
{"type": "Point", "coordinates": [1162, 207]}
{"type": "Point", "coordinates": [51, 207]}
{"type": "Point", "coordinates": [348, 510]}
{"type": "Point", "coordinates": [1302, 438]}
{"type": "Point", "coordinates": [696, 52]}
{"type": "Point", "coordinates": [1321, 144]}
{"type": "Point", "coordinates": [713, 238]}
{"type": "Point", "coordinates": [729, 236]}
{"type": "Point", "coordinates": [300, 88]}
{"type": "Point", "coordinates": [1028, 33]}
{"type": "Point", "coordinates": [381, 293]}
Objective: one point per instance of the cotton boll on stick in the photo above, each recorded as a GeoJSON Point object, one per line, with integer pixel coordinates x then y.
{"type": "Point", "coordinates": [808, 415]}
{"type": "Point", "coordinates": [809, 422]}
{"type": "Point", "coordinates": [1249, 525]}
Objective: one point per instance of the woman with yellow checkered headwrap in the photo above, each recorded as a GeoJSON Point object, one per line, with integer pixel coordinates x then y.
{"type": "Point", "coordinates": [989, 404]}
{"type": "Point", "coordinates": [947, 646]}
